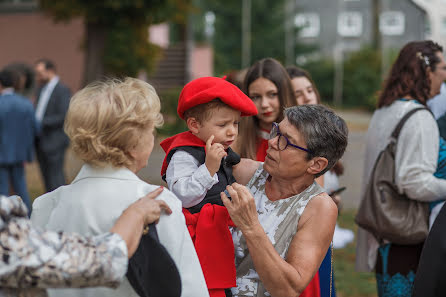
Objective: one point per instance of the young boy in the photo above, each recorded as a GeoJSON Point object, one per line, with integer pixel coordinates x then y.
{"type": "Point", "coordinates": [198, 163]}
{"type": "Point", "coordinates": [198, 166]}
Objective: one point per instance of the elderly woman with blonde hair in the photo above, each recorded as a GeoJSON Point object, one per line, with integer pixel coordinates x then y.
{"type": "Point", "coordinates": [110, 125]}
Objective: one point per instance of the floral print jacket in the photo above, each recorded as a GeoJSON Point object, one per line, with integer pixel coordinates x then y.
{"type": "Point", "coordinates": [32, 260]}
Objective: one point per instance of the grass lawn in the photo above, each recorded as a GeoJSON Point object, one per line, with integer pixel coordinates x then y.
{"type": "Point", "coordinates": [348, 282]}
{"type": "Point", "coordinates": [33, 180]}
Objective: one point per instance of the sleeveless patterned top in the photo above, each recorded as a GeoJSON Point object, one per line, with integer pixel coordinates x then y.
{"type": "Point", "coordinates": [279, 219]}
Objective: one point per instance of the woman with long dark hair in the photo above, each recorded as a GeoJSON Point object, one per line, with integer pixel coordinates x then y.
{"type": "Point", "coordinates": [268, 85]}
{"type": "Point", "coordinates": [304, 87]}
{"type": "Point", "coordinates": [415, 77]}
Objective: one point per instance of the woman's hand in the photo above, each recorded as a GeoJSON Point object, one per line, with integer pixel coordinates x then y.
{"type": "Point", "coordinates": [241, 207]}
{"type": "Point", "coordinates": [149, 208]}
{"type": "Point", "coordinates": [140, 213]}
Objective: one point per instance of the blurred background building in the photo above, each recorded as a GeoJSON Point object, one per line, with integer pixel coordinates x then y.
{"type": "Point", "coordinates": [436, 12]}
{"type": "Point", "coordinates": [29, 34]}
{"type": "Point", "coordinates": [351, 23]}
{"type": "Point", "coordinates": [330, 38]}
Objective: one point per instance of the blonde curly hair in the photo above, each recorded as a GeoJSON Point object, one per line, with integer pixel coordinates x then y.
{"type": "Point", "coordinates": [107, 118]}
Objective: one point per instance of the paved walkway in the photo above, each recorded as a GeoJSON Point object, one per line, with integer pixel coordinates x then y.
{"type": "Point", "coordinates": [353, 160]}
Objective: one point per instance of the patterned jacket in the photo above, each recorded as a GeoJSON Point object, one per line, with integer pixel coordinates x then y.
{"type": "Point", "coordinates": [32, 260]}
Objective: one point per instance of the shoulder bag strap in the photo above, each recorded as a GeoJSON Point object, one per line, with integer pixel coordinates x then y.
{"type": "Point", "coordinates": [397, 130]}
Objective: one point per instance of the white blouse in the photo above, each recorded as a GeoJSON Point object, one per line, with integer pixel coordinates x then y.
{"type": "Point", "coordinates": [415, 162]}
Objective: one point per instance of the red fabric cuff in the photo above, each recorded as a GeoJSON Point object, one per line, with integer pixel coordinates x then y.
{"type": "Point", "coordinates": [210, 233]}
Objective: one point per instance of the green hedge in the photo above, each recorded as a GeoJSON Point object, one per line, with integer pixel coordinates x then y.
{"type": "Point", "coordinates": [322, 72]}
{"type": "Point", "coordinates": [362, 77]}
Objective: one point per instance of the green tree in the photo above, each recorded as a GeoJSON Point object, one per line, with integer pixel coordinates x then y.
{"type": "Point", "coordinates": [362, 78]}
{"type": "Point", "coordinates": [267, 32]}
{"type": "Point", "coordinates": [116, 31]}
{"type": "Point", "coordinates": [322, 72]}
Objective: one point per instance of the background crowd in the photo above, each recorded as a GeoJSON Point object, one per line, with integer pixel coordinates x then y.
{"type": "Point", "coordinates": [110, 127]}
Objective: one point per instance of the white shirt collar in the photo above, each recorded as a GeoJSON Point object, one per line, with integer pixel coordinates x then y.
{"type": "Point", "coordinates": [45, 95]}
{"type": "Point", "coordinates": [53, 82]}
{"type": "Point", "coordinates": [88, 171]}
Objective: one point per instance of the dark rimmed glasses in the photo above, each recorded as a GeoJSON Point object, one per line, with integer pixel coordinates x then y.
{"type": "Point", "coordinates": [283, 142]}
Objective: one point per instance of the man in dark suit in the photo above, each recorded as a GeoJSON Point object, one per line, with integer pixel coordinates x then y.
{"type": "Point", "coordinates": [53, 99]}
{"type": "Point", "coordinates": [18, 128]}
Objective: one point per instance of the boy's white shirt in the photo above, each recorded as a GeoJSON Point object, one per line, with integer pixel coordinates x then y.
{"type": "Point", "coordinates": [188, 179]}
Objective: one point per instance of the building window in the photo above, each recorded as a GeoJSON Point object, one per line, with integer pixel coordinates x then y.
{"type": "Point", "coordinates": [392, 23]}
{"type": "Point", "coordinates": [443, 26]}
{"type": "Point", "coordinates": [209, 21]}
{"type": "Point", "coordinates": [427, 27]}
{"type": "Point", "coordinates": [350, 24]}
{"type": "Point", "coordinates": [308, 24]}
{"type": "Point", "coordinates": [18, 5]}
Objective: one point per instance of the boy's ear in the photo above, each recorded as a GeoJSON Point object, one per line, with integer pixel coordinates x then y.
{"type": "Point", "coordinates": [193, 125]}
{"type": "Point", "coordinates": [317, 164]}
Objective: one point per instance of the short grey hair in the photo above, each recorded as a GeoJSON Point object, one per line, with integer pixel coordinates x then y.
{"type": "Point", "coordinates": [324, 132]}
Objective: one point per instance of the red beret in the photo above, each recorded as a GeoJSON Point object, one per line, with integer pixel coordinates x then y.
{"type": "Point", "coordinates": [205, 89]}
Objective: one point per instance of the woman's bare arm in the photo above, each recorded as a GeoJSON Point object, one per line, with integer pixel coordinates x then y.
{"type": "Point", "coordinates": [244, 170]}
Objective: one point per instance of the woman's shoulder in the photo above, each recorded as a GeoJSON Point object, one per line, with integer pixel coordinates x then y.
{"type": "Point", "coordinates": [246, 170]}
{"type": "Point", "coordinates": [321, 203]}
{"type": "Point", "coordinates": [43, 206]}
{"type": "Point", "coordinates": [423, 116]}
{"type": "Point", "coordinates": [166, 195]}
{"type": "Point", "coordinates": [170, 198]}
{"type": "Point", "coordinates": [420, 122]}
{"type": "Point", "coordinates": [399, 106]}
{"type": "Point", "coordinates": [389, 116]}
{"type": "Point", "coordinates": [259, 177]}
{"type": "Point", "coordinates": [323, 200]}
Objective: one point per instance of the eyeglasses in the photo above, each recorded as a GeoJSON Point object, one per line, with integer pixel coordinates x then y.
{"type": "Point", "coordinates": [283, 142]}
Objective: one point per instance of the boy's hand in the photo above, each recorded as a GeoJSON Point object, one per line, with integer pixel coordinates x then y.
{"type": "Point", "coordinates": [214, 153]}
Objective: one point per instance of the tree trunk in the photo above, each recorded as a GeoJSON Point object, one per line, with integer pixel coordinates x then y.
{"type": "Point", "coordinates": [94, 52]}
{"type": "Point", "coordinates": [376, 35]}
{"type": "Point", "coordinates": [246, 33]}
{"type": "Point", "coordinates": [290, 32]}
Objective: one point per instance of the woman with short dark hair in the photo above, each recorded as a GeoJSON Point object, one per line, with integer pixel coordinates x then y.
{"type": "Point", "coordinates": [279, 242]}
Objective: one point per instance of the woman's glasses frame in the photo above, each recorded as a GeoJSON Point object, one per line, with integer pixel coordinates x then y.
{"type": "Point", "coordinates": [275, 131]}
